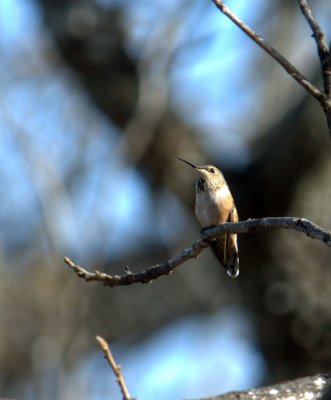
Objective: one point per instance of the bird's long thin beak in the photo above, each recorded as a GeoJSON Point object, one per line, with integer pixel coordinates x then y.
{"type": "Point", "coordinates": [187, 162]}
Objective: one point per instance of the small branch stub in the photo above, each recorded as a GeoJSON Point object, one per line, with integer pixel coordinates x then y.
{"type": "Point", "coordinates": [115, 367]}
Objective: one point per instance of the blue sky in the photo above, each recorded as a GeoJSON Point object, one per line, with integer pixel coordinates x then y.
{"type": "Point", "coordinates": [39, 104]}
{"type": "Point", "coordinates": [193, 357]}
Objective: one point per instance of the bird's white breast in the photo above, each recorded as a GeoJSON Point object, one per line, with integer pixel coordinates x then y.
{"type": "Point", "coordinates": [208, 205]}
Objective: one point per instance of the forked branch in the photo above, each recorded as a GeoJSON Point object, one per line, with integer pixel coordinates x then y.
{"type": "Point", "coordinates": [250, 226]}
{"type": "Point", "coordinates": [323, 97]}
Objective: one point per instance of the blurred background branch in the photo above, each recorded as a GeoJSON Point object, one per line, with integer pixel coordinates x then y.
{"type": "Point", "coordinates": [324, 98]}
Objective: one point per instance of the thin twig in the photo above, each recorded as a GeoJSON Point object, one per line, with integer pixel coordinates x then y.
{"type": "Point", "coordinates": [250, 226]}
{"type": "Point", "coordinates": [115, 367]}
{"type": "Point", "coordinates": [324, 98]}
{"type": "Point", "coordinates": [318, 34]}
{"type": "Point", "coordinates": [146, 276]}
{"type": "Point", "coordinates": [322, 48]}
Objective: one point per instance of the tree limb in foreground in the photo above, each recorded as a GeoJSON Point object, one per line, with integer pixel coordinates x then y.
{"type": "Point", "coordinates": [250, 226]}
{"type": "Point", "coordinates": [311, 387]}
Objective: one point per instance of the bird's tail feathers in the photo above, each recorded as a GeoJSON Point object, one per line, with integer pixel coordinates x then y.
{"type": "Point", "coordinates": [225, 250]}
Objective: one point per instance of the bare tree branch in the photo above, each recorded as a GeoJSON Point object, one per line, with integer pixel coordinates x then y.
{"type": "Point", "coordinates": [322, 47]}
{"type": "Point", "coordinates": [311, 387]}
{"type": "Point", "coordinates": [115, 367]}
{"type": "Point", "coordinates": [318, 34]}
{"type": "Point", "coordinates": [324, 98]}
{"type": "Point", "coordinates": [142, 277]}
{"type": "Point", "coordinates": [268, 48]}
{"type": "Point", "coordinates": [250, 226]}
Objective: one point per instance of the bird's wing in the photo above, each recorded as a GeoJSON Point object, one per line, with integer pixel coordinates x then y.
{"type": "Point", "coordinates": [225, 248]}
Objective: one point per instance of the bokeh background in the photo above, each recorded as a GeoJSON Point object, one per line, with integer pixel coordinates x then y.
{"type": "Point", "coordinates": [97, 98]}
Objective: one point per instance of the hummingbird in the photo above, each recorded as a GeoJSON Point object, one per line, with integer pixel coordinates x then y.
{"type": "Point", "coordinates": [214, 205]}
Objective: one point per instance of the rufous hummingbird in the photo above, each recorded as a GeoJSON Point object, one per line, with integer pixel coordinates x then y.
{"type": "Point", "coordinates": [214, 205]}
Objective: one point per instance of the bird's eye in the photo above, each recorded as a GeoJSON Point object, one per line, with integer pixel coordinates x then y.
{"type": "Point", "coordinates": [212, 170]}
